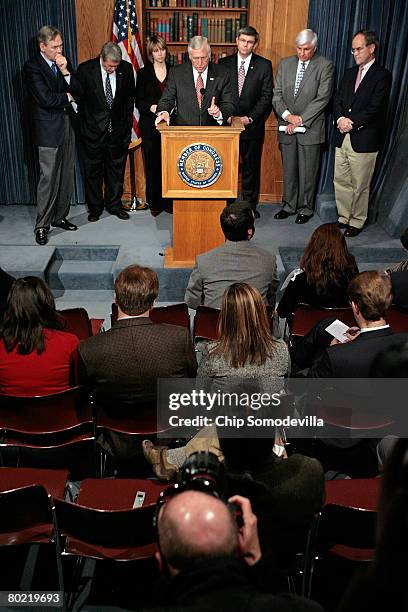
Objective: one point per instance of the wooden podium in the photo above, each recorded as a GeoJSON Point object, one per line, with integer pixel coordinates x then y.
{"type": "Point", "coordinates": [199, 172]}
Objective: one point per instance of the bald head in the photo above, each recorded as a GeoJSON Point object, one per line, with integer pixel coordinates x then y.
{"type": "Point", "coordinates": [193, 526]}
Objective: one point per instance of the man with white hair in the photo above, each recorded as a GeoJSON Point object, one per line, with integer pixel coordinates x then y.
{"type": "Point", "coordinates": [197, 92]}
{"type": "Point", "coordinates": [303, 88]}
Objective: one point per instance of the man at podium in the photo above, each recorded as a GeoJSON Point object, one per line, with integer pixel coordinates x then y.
{"type": "Point", "coordinates": [197, 93]}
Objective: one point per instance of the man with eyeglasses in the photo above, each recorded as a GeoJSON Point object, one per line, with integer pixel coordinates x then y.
{"type": "Point", "coordinates": [360, 107]}
{"type": "Point", "coordinates": [197, 92]}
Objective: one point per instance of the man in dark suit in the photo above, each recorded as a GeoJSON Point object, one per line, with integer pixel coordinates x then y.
{"type": "Point", "coordinates": [370, 297]}
{"type": "Point", "coordinates": [238, 260]}
{"type": "Point", "coordinates": [303, 89]}
{"type": "Point", "coordinates": [252, 82]}
{"type": "Point", "coordinates": [123, 364]}
{"type": "Point", "coordinates": [105, 112]}
{"type": "Point", "coordinates": [360, 108]}
{"type": "Point", "coordinates": [197, 92]}
{"type": "Point", "coordinates": [52, 88]}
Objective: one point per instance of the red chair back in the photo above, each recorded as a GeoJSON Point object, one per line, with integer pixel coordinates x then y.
{"type": "Point", "coordinates": [305, 317]}
{"type": "Point", "coordinates": [76, 321]}
{"type": "Point", "coordinates": [174, 314]}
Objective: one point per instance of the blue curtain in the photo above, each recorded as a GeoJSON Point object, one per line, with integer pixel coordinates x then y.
{"type": "Point", "coordinates": [19, 24]}
{"type": "Point", "coordinates": [335, 24]}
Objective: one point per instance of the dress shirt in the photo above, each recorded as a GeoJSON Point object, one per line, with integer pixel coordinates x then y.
{"type": "Point", "coordinates": [247, 61]}
{"type": "Point", "coordinates": [287, 112]}
{"type": "Point", "coordinates": [112, 79]}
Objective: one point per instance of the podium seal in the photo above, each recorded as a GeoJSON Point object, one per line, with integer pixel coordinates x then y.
{"type": "Point", "coordinates": [199, 165]}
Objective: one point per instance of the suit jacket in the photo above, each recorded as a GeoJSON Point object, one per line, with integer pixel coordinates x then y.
{"type": "Point", "coordinates": [354, 359]}
{"type": "Point", "coordinates": [399, 282]}
{"type": "Point", "coordinates": [255, 100]}
{"type": "Point", "coordinates": [48, 100]}
{"type": "Point", "coordinates": [232, 262]}
{"type": "Point", "coordinates": [123, 364]}
{"type": "Point", "coordinates": [147, 93]}
{"type": "Point", "coordinates": [311, 100]}
{"type": "Point", "coordinates": [367, 108]}
{"type": "Point", "coordinates": [180, 98]}
{"type": "Point", "coordinates": [94, 112]}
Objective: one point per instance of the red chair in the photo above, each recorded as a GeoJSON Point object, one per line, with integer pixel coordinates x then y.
{"type": "Point", "coordinates": [397, 319]}
{"type": "Point", "coordinates": [27, 517]}
{"type": "Point", "coordinates": [103, 525]}
{"type": "Point", "coordinates": [76, 321]}
{"type": "Point", "coordinates": [174, 314]}
{"type": "Point", "coordinates": [53, 481]}
{"type": "Point", "coordinates": [206, 323]}
{"type": "Point", "coordinates": [305, 317]}
{"type": "Point", "coordinates": [45, 424]}
{"type": "Point", "coordinates": [132, 422]}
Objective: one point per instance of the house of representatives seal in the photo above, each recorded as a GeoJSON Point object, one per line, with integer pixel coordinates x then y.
{"type": "Point", "coordinates": [199, 165]}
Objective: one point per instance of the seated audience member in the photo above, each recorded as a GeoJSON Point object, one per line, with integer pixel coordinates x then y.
{"type": "Point", "coordinates": [123, 364]}
{"type": "Point", "coordinates": [6, 281]}
{"type": "Point", "coordinates": [402, 266]}
{"type": "Point", "coordinates": [284, 493]}
{"type": "Point", "coordinates": [237, 260]}
{"type": "Point", "coordinates": [383, 585]}
{"type": "Point", "coordinates": [326, 268]}
{"type": "Point", "coordinates": [370, 297]}
{"type": "Point", "coordinates": [36, 357]}
{"type": "Point", "coordinates": [245, 351]}
{"type": "Point", "coordinates": [210, 563]}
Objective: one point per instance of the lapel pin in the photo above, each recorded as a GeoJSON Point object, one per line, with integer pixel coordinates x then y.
{"type": "Point", "coordinates": [211, 78]}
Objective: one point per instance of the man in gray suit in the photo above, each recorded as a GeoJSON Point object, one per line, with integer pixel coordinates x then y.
{"type": "Point", "coordinates": [303, 89]}
{"type": "Point", "coordinates": [238, 260]}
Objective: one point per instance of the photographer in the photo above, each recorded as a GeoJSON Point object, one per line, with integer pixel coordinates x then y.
{"type": "Point", "coordinates": [209, 561]}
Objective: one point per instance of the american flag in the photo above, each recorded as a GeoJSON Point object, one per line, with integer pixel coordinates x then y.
{"type": "Point", "coordinates": [126, 34]}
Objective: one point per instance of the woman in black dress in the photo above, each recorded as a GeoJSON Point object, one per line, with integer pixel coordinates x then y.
{"type": "Point", "coordinates": [151, 81]}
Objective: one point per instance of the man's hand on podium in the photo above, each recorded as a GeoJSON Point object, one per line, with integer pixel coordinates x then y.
{"type": "Point", "coordinates": [163, 116]}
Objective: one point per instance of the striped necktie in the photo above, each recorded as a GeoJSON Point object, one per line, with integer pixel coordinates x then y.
{"type": "Point", "coordinates": [199, 88]}
{"type": "Point", "coordinates": [241, 76]}
{"type": "Point", "coordinates": [109, 99]}
{"type": "Point", "coordinates": [299, 77]}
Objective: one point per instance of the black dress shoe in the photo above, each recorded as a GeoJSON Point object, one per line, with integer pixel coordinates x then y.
{"type": "Point", "coordinates": [65, 225]}
{"type": "Point", "coordinates": [352, 231]}
{"type": "Point", "coordinates": [283, 214]}
{"type": "Point", "coordinates": [93, 216]}
{"type": "Point", "coordinates": [119, 213]}
{"type": "Point", "coordinates": [41, 236]}
{"type": "Point", "coordinates": [303, 218]}
{"type": "Point", "coordinates": [341, 225]}
{"type": "Point", "coordinates": [256, 214]}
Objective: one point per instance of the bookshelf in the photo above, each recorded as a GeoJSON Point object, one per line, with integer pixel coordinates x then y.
{"type": "Point", "coordinates": [178, 20]}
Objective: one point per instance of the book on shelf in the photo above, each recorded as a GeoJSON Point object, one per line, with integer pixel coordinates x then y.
{"type": "Point", "coordinates": [180, 27]}
{"type": "Point", "coordinates": [208, 4]}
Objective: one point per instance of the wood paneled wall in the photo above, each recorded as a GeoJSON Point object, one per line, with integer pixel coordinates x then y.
{"type": "Point", "coordinates": [277, 21]}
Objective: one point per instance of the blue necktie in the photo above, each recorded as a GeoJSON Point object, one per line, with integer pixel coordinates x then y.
{"type": "Point", "coordinates": [54, 69]}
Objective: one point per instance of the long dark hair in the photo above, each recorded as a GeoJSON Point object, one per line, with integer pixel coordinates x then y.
{"type": "Point", "coordinates": [327, 260]}
{"type": "Point", "coordinates": [30, 310]}
{"type": "Point", "coordinates": [244, 329]}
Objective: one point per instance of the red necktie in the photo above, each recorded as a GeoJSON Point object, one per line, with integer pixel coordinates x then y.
{"type": "Point", "coordinates": [358, 79]}
{"type": "Point", "coordinates": [199, 87]}
{"type": "Point", "coordinates": [241, 76]}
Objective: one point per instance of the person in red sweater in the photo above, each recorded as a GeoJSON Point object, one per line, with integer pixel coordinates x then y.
{"type": "Point", "coordinates": [36, 357]}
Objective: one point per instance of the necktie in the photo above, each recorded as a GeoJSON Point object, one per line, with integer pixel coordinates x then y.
{"type": "Point", "coordinates": [299, 77]}
{"type": "Point", "coordinates": [358, 78]}
{"type": "Point", "coordinates": [199, 87]}
{"type": "Point", "coordinates": [109, 99]}
{"type": "Point", "coordinates": [241, 76]}
{"type": "Point", "coordinates": [54, 69]}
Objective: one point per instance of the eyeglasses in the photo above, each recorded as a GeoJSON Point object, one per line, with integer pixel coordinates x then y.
{"type": "Point", "coordinates": [358, 49]}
